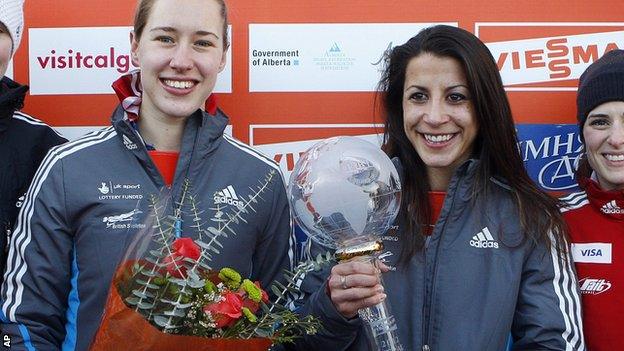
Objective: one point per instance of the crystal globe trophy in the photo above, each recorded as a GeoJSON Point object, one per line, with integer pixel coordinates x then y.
{"type": "Point", "coordinates": [345, 194]}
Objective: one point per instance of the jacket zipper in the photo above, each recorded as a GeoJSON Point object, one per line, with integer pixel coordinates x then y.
{"type": "Point", "coordinates": [428, 297]}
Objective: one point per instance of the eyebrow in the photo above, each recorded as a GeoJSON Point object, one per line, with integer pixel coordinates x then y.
{"type": "Point", "coordinates": [447, 89]}
{"type": "Point", "coordinates": [171, 29]}
{"type": "Point", "coordinates": [598, 115]}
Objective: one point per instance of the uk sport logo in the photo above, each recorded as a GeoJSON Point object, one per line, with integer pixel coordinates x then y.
{"type": "Point", "coordinates": [593, 286]}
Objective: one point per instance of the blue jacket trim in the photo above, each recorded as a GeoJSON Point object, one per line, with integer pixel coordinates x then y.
{"type": "Point", "coordinates": [73, 302]}
{"type": "Point", "coordinates": [23, 331]}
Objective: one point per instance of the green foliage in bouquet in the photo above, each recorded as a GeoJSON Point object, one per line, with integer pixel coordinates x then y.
{"type": "Point", "coordinates": [173, 286]}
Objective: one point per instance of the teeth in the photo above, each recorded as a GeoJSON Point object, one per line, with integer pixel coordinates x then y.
{"type": "Point", "coordinates": [438, 138]}
{"type": "Point", "coordinates": [179, 84]}
{"type": "Point", "coordinates": [611, 157]}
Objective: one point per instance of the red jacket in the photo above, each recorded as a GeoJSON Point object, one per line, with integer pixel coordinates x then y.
{"type": "Point", "coordinates": [596, 221]}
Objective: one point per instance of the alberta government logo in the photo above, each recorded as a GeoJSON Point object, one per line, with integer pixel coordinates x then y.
{"type": "Point", "coordinates": [334, 59]}
{"type": "Point", "coordinates": [275, 57]}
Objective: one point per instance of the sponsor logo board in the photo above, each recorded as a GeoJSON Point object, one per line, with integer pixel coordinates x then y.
{"type": "Point", "coordinates": [551, 154]}
{"type": "Point", "coordinates": [285, 143]}
{"type": "Point", "coordinates": [73, 133]}
{"type": "Point", "coordinates": [86, 60]}
{"type": "Point", "coordinates": [555, 54]}
{"type": "Point", "coordinates": [322, 57]}
{"type": "Point", "coordinates": [550, 151]}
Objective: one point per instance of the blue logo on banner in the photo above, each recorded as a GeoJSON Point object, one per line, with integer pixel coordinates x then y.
{"type": "Point", "coordinates": [551, 154]}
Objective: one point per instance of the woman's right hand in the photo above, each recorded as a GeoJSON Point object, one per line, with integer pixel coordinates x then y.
{"type": "Point", "coordinates": [354, 285]}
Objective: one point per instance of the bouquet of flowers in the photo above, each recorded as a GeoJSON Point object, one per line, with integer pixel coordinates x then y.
{"type": "Point", "coordinates": [165, 294]}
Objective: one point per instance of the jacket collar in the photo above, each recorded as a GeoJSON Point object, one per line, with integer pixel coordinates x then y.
{"type": "Point", "coordinates": [210, 122]}
{"type": "Point", "coordinates": [11, 99]}
{"type": "Point", "coordinates": [129, 90]}
{"type": "Point", "coordinates": [609, 203]}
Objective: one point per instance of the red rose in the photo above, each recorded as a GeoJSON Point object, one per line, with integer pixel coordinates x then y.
{"type": "Point", "coordinates": [181, 248]}
{"type": "Point", "coordinates": [225, 313]}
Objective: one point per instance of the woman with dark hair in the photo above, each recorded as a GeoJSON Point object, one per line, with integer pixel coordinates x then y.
{"type": "Point", "coordinates": [477, 251]}
{"type": "Point", "coordinates": [595, 215]}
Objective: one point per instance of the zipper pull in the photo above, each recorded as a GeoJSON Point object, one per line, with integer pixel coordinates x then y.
{"type": "Point", "coordinates": [426, 348]}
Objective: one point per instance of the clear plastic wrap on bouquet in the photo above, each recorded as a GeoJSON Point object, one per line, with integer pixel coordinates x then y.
{"type": "Point", "coordinates": [165, 294]}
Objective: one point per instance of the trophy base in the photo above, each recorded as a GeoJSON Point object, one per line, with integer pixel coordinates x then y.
{"type": "Point", "coordinates": [347, 252]}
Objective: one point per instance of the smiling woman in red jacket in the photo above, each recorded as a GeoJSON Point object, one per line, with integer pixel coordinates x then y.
{"type": "Point", "coordinates": [596, 214]}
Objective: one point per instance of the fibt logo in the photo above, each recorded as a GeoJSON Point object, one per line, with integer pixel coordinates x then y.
{"type": "Point", "coordinates": [551, 57]}
{"type": "Point", "coordinates": [593, 286]}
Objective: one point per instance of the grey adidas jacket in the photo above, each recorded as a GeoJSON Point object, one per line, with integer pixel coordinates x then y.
{"type": "Point", "coordinates": [85, 203]}
{"type": "Point", "coordinates": [475, 281]}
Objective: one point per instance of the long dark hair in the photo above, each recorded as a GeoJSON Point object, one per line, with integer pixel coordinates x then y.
{"type": "Point", "coordinates": [495, 145]}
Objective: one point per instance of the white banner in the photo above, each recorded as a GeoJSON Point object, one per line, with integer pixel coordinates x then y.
{"type": "Point", "coordinates": [553, 58]}
{"type": "Point", "coordinates": [322, 57]}
{"type": "Point", "coordinates": [86, 60]}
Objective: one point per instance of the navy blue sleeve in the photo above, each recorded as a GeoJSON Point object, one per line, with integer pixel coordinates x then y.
{"type": "Point", "coordinates": [548, 312]}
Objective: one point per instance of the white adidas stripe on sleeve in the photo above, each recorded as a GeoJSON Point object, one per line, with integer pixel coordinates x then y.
{"type": "Point", "coordinates": [569, 301]}
{"type": "Point", "coordinates": [252, 151]}
{"type": "Point", "coordinates": [31, 120]}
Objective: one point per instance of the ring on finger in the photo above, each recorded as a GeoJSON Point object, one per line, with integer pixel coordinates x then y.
{"type": "Point", "coordinates": [343, 282]}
